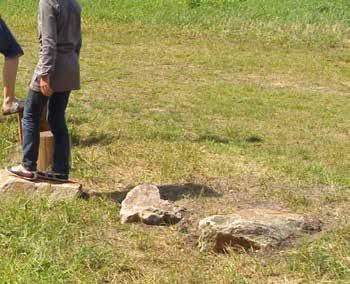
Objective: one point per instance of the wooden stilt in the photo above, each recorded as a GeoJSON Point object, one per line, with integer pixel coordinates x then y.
{"type": "Point", "coordinates": [46, 147]}
{"type": "Point", "coordinates": [20, 130]}
{"type": "Point", "coordinates": [44, 124]}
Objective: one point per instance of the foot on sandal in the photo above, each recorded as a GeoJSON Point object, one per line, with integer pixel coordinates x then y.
{"type": "Point", "coordinates": [22, 172]}
{"type": "Point", "coordinates": [50, 175]}
{"type": "Point", "coordinates": [15, 107]}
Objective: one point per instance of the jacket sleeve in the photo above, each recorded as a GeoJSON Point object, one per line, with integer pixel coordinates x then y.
{"type": "Point", "coordinates": [48, 13]}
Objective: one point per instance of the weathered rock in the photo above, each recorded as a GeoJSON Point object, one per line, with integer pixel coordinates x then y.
{"type": "Point", "coordinates": [17, 187]}
{"type": "Point", "coordinates": [144, 204]}
{"type": "Point", "coordinates": [253, 229]}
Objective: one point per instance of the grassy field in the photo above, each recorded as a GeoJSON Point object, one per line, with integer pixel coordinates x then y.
{"type": "Point", "coordinates": [248, 98]}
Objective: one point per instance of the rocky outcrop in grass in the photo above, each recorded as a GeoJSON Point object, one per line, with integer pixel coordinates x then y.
{"type": "Point", "coordinates": [253, 229]}
{"type": "Point", "coordinates": [17, 187]}
{"type": "Point", "coordinates": [144, 204]}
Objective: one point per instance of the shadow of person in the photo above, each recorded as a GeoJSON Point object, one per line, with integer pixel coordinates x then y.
{"type": "Point", "coordinates": [172, 192]}
{"type": "Point", "coordinates": [176, 192]}
{"type": "Point", "coordinates": [94, 138]}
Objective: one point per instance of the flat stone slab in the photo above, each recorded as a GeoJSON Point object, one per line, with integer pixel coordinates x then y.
{"type": "Point", "coordinates": [14, 186]}
{"type": "Point", "coordinates": [253, 229]}
{"type": "Point", "coordinates": [144, 204]}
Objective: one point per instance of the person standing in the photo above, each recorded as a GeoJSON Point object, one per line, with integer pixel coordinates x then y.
{"type": "Point", "coordinates": [56, 75]}
{"type": "Point", "coordinates": [11, 50]}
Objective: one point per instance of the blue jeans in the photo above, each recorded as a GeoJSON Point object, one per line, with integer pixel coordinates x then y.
{"type": "Point", "coordinates": [57, 105]}
{"type": "Point", "coordinates": [8, 44]}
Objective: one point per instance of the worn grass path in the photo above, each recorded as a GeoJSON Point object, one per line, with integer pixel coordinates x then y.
{"type": "Point", "coordinates": [257, 109]}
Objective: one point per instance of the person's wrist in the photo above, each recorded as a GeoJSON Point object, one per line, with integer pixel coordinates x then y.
{"type": "Point", "coordinates": [45, 77]}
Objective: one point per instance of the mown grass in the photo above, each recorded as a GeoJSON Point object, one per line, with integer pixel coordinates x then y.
{"type": "Point", "coordinates": [250, 98]}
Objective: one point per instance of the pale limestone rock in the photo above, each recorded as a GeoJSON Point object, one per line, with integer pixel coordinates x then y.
{"type": "Point", "coordinates": [143, 204]}
{"type": "Point", "coordinates": [253, 229]}
{"type": "Point", "coordinates": [13, 186]}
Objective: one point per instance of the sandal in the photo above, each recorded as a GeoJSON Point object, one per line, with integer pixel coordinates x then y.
{"type": "Point", "coordinates": [50, 175]}
{"type": "Point", "coordinates": [16, 107]}
{"type": "Point", "coordinates": [22, 172]}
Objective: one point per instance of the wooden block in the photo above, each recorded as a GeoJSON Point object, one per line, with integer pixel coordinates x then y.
{"type": "Point", "coordinates": [45, 151]}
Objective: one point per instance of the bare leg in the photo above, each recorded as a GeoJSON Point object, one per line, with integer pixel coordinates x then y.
{"type": "Point", "coordinates": [9, 77]}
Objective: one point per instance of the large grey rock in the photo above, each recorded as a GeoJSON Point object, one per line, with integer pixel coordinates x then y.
{"type": "Point", "coordinates": [253, 229]}
{"type": "Point", "coordinates": [16, 187]}
{"type": "Point", "coordinates": [144, 204]}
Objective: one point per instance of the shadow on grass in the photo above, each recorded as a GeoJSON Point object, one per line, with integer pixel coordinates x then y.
{"type": "Point", "coordinates": [219, 139]}
{"type": "Point", "coordinates": [105, 138]}
{"type": "Point", "coordinates": [254, 139]}
{"type": "Point", "coordinates": [94, 138]}
{"type": "Point", "coordinates": [213, 138]}
{"type": "Point", "coordinates": [176, 192]}
{"type": "Point", "coordinates": [172, 192]}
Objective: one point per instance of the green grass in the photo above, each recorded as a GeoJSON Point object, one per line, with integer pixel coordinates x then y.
{"type": "Point", "coordinates": [250, 98]}
{"type": "Point", "coordinates": [285, 22]}
{"type": "Point", "coordinates": [83, 242]}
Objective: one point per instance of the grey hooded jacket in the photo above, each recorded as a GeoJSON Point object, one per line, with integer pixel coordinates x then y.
{"type": "Point", "coordinates": [60, 43]}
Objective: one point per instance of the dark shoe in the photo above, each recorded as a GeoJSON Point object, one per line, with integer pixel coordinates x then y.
{"type": "Point", "coordinates": [22, 172]}
{"type": "Point", "coordinates": [53, 176]}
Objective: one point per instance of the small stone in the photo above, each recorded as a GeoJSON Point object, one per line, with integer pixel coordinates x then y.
{"type": "Point", "coordinates": [253, 229]}
{"type": "Point", "coordinates": [144, 204]}
{"type": "Point", "coordinates": [14, 186]}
